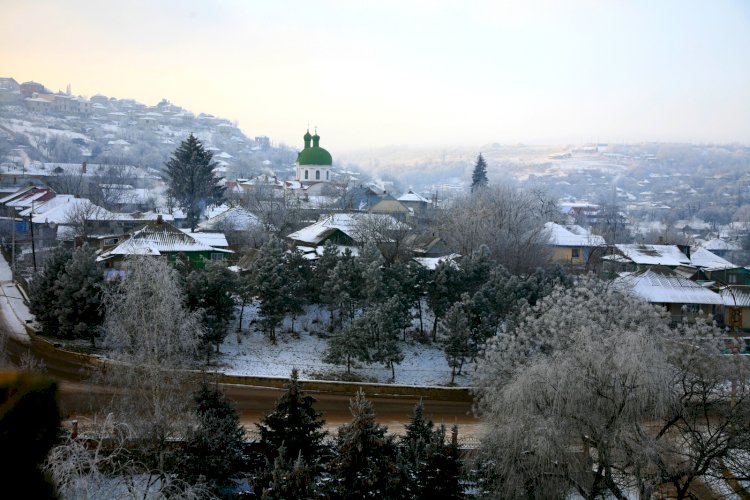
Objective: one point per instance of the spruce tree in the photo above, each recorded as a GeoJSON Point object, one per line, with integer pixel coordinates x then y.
{"type": "Point", "coordinates": [290, 480]}
{"type": "Point", "coordinates": [42, 294]}
{"type": "Point", "coordinates": [457, 335]}
{"type": "Point", "coordinates": [479, 176]}
{"type": "Point", "coordinates": [364, 465]}
{"type": "Point", "coordinates": [295, 424]}
{"type": "Point", "coordinates": [79, 295]}
{"type": "Point", "coordinates": [433, 466]}
{"type": "Point", "coordinates": [210, 290]}
{"type": "Point", "coordinates": [215, 450]}
{"type": "Point", "coordinates": [270, 284]}
{"type": "Point", "coordinates": [191, 180]}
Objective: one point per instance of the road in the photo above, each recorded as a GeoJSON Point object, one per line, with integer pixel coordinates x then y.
{"type": "Point", "coordinates": [251, 401]}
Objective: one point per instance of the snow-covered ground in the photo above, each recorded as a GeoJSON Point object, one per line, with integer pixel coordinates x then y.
{"type": "Point", "coordinates": [251, 353]}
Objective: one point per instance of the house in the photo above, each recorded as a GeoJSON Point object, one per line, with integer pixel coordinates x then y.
{"type": "Point", "coordinates": [736, 308]}
{"type": "Point", "coordinates": [394, 208]}
{"type": "Point", "coordinates": [426, 245]}
{"type": "Point", "coordinates": [347, 230]}
{"type": "Point", "coordinates": [641, 256]}
{"type": "Point", "coordinates": [159, 238]}
{"type": "Point", "coordinates": [416, 203]}
{"type": "Point", "coordinates": [720, 247]}
{"type": "Point", "coordinates": [680, 296]}
{"type": "Point", "coordinates": [361, 198]}
{"type": "Point", "coordinates": [572, 243]}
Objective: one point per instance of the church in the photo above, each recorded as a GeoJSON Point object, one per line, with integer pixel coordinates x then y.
{"type": "Point", "coordinates": [314, 165]}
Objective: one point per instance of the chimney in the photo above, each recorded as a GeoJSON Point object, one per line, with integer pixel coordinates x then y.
{"type": "Point", "coordinates": [83, 167]}
{"type": "Point", "coordinates": [159, 220]}
{"type": "Point", "coordinates": [74, 430]}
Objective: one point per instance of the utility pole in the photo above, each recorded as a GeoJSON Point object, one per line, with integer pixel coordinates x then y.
{"type": "Point", "coordinates": [13, 242]}
{"type": "Point", "coordinates": [31, 223]}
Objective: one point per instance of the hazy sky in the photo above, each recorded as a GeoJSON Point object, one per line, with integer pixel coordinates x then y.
{"type": "Point", "coordinates": [417, 73]}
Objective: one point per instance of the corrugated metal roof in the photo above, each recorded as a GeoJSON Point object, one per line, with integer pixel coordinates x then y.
{"type": "Point", "coordinates": [661, 286]}
{"type": "Point", "coordinates": [664, 255]}
{"type": "Point", "coordinates": [735, 296]}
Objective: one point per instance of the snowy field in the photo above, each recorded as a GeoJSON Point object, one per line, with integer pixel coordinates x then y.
{"type": "Point", "coordinates": [251, 353]}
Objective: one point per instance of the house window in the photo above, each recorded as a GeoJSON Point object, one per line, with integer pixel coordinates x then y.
{"type": "Point", "coordinates": [575, 253]}
{"type": "Point", "coordinates": [305, 174]}
{"type": "Point", "coordinates": [111, 241]}
{"type": "Point", "coordinates": [327, 176]}
{"type": "Point", "coordinates": [317, 175]}
{"type": "Point", "coordinates": [732, 278]}
{"type": "Point", "coordinates": [217, 256]}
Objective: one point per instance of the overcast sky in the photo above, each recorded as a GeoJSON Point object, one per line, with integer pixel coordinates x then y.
{"type": "Point", "coordinates": [417, 73]}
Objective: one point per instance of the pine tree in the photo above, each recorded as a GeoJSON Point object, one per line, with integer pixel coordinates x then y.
{"type": "Point", "coordinates": [42, 294]}
{"type": "Point", "coordinates": [290, 481]}
{"type": "Point", "coordinates": [191, 180]}
{"type": "Point", "coordinates": [433, 467]}
{"type": "Point", "coordinates": [442, 291]}
{"type": "Point", "coordinates": [215, 450]}
{"type": "Point", "coordinates": [269, 282]}
{"type": "Point", "coordinates": [479, 177]}
{"type": "Point", "coordinates": [79, 295]}
{"type": "Point", "coordinates": [210, 291]}
{"type": "Point", "coordinates": [364, 465]}
{"type": "Point", "coordinates": [455, 330]}
{"type": "Point", "coordinates": [295, 424]}
{"type": "Point", "coordinates": [349, 345]}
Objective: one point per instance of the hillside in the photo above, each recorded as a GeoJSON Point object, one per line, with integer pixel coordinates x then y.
{"type": "Point", "coordinates": [61, 128]}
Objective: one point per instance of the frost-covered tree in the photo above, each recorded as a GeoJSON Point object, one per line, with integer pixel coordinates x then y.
{"type": "Point", "coordinates": [479, 176]}
{"type": "Point", "coordinates": [364, 461]}
{"type": "Point", "coordinates": [567, 392]}
{"type": "Point", "coordinates": [191, 180]}
{"type": "Point", "coordinates": [344, 288]}
{"type": "Point", "coordinates": [294, 424]}
{"type": "Point", "coordinates": [152, 336]}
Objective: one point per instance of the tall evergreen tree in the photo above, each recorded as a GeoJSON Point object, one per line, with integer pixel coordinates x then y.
{"type": "Point", "coordinates": [270, 283]}
{"type": "Point", "coordinates": [42, 294]}
{"type": "Point", "coordinates": [215, 450]}
{"type": "Point", "coordinates": [191, 179]}
{"type": "Point", "coordinates": [210, 291]}
{"type": "Point", "coordinates": [290, 480]}
{"type": "Point", "coordinates": [479, 176]}
{"type": "Point", "coordinates": [79, 295]}
{"type": "Point", "coordinates": [364, 465]}
{"type": "Point", "coordinates": [457, 335]}
{"type": "Point", "coordinates": [295, 424]}
{"type": "Point", "coordinates": [433, 467]}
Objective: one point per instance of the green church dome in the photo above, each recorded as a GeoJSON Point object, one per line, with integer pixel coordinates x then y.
{"type": "Point", "coordinates": [314, 155]}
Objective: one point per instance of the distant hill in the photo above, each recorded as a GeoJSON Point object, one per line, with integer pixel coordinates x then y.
{"type": "Point", "coordinates": [47, 127]}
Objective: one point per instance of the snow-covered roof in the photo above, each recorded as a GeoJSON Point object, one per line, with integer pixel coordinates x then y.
{"type": "Point", "coordinates": [735, 296]}
{"type": "Point", "coordinates": [156, 238]}
{"type": "Point", "coordinates": [661, 286]}
{"type": "Point", "coordinates": [350, 224]}
{"type": "Point", "coordinates": [431, 263]}
{"type": "Point", "coordinates": [719, 244]}
{"type": "Point", "coordinates": [412, 196]}
{"type": "Point", "coordinates": [664, 255]}
{"type": "Point", "coordinates": [63, 208]}
{"type": "Point", "coordinates": [210, 239]}
{"type": "Point", "coordinates": [236, 218]}
{"type": "Point", "coordinates": [572, 236]}
{"type": "Point", "coordinates": [704, 258]}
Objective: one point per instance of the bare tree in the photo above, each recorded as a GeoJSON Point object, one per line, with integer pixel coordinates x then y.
{"type": "Point", "coordinates": [152, 338]}
{"type": "Point", "coordinates": [96, 462]}
{"type": "Point", "coordinates": [509, 221]}
{"type": "Point", "coordinates": [592, 392]}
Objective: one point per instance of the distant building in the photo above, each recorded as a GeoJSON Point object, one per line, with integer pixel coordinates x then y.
{"type": "Point", "coordinates": [29, 88]}
{"type": "Point", "coordinates": [313, 162]}
{"type": "Point", "coordinates": [263, 142]}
